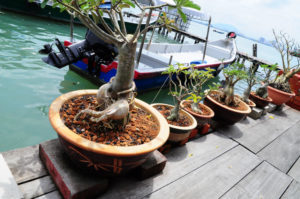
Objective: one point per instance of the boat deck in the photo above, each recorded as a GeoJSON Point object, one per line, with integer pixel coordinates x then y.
{"type": "Point", "coordinates": [252, 159]}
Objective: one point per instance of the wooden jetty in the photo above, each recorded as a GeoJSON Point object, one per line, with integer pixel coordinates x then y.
{"type": "Point", "coordinates": [252, 159]}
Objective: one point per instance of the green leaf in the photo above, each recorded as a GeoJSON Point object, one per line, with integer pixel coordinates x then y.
{"type": "Point", "coordinates": [191, 4]}
{"type": "Point", "coordinates": [43, 5]}
{"type": "Point", "coordinates": [129, 3]}
{"type": "Point", "coordinates": [182, 15]}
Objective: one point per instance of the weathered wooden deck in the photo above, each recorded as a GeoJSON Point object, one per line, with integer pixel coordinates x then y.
{"type": "Point", "coordinates": [252, 159]}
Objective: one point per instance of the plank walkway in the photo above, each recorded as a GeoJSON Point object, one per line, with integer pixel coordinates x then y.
{"type": "Point", "coordinates": [252, 159]}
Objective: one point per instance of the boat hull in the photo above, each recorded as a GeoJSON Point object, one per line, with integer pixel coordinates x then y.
{"type": "Point", "coordinates": [143, 81]}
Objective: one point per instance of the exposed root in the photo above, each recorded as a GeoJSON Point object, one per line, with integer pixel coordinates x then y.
{"type": "Point", "coordinates": [116, 111]}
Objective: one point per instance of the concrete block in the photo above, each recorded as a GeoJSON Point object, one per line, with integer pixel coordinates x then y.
{"type": "Point", "coordinates": [154, 164]}
{"type": "Point", "coordinates": [271, 107]}
{"type": "Point", "coordinates": [256, 113]}
{"type": "Point", "coordinates": [8, 186]}
{"type": "Point", "coordinates": [279, 107]}
{"type": "Point", "coordinates": [70, 181]}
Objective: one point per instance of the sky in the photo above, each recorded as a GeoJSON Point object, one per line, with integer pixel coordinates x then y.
{"type": "Point", "coordinates": [256, 18]}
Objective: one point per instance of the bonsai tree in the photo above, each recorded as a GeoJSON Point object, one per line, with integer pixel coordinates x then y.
{"type": "Point", "coordinates": [285, 46]}
{"type": "Point", "coordinates": [197, 79]}
{"type": "Point", "coordinates": [178, 87]}
{"type": "Point", "coordinates": [118, 93]}
{"type": "Point", "coordinates": [251, 80]}
{"type": "Point", "coordinates": [267, 73]}
{"type": "Point", "coordinates": [232, 74]}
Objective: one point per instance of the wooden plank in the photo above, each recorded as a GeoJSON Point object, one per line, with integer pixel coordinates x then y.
{"type": "Point", "coordinates": [293, 192]}
{"type": "Point", "coordinates": [25, 163]}
{"type": "Point", "coordinates": [260, 135]}
{"type": "Point", "coordinates": [295, 170]}
{"type": "Point", "coordinates": [37, 187]}
{"type": "Point", "coordinates": [284, 151]}
{"type": "Point", "coordinates": [71, 182]}
{"type": "Point", "coordinates": [8, 186]}
{"type": "Point", "coordinates": [52, 195]}
{"type": "Point", "coordinates": [265, 181]}
{"type": "Point", "coordinates": [181, 161]}
{"type": "Point", "coordinates": [213, 179]}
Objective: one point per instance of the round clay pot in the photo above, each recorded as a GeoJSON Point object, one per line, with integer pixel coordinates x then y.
{"type": "Point", "coordinates": [279, 97]}
{"type": "Point", "coordinates": [259, 101]}
{"type": "Point", "coordinates": [224, 113]}
{"type": "Point", "coordinates": [201, 119]}
{"type": "Point", "coordinates": [102, 158]}
{"type": "Point", "coordinates": [179, 133]}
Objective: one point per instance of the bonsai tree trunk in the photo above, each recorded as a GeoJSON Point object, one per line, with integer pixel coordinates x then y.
{"type": "Point", "coordinates": [195, 107]}
{"type": "Point", "coordinates": [262, 91]}
{"type": "Point", "coordinates": [229, 94]}
{"type": "Point", "coordinates": [174, 112]}
{"type": "Point", "coordinates": [125, 72]}
{"type": "Point", "coordinates": [247, 94]}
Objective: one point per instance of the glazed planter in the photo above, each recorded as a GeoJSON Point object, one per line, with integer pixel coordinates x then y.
{"type": "Point", "coordinates": [224, 113]}
{"type": "Point", "coordinates": [102, 158]}
{"type": "Point", "coordinates": [179, 133]}
{"type": "Point", "coordinates": [259, 101]}
{"type": "Point", "coordinates": [279, 97]}
{"type": "Point", "coordinates": [201, 119]}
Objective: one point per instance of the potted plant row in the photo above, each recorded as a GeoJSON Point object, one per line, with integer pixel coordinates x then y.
{"type": "Point", "coordinates": [109, 131]}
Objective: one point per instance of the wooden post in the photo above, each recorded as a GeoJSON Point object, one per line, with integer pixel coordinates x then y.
{"type": "Point", "coordinates": [206, 39]}
{"type": "Point", "coordinates": [182, 40]}
{"type": "Point", "coordinates": [255, 64]}
{"type": "Point", "coordinates": [71, 27]}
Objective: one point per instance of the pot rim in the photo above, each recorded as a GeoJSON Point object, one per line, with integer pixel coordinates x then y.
{"type": "Point", "coordinates": [211, 115]}
{"type": "Point", "coordinates": [77, 140]}
{"type": "Point", "coordinates": [281, 92]}
{"type": "Point", "coordinates": [231, 109]}
{"type": "Point", "coordinates": [256, 96]}
{"type": "Point", "coordinates": [184, 128]}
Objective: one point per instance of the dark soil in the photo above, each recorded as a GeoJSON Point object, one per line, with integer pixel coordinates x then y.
{"type": "Point", "coordinates": [234, 105]}
{"type": "Point", "coordinates": [205, 111]}
{"type": "Point", "coordinates": [140, 129]}
{"type": "Point", "coordinates": [283, 87]}
{"type": "Point", "coordinates": [165, 111]}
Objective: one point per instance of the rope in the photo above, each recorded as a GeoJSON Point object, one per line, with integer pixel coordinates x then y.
{"type": "Point", "coordinates": [159, 90]}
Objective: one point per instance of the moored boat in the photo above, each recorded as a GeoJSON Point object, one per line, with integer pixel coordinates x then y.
{"type": "Point", "coordinates": [153, 61]}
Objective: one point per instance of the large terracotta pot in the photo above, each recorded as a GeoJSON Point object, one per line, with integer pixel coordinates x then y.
{"type": "Point", "coordinates": [224, 113]}
{"type": "Point", "coordinates": [295, 86]}
{"type": "Point", "coordinates": [179, 133]}
{"type": "Point", "coordinates": [102, 158]}
{"type": "Point", "coordinates": [259, 101]}
{"type": "Point", "coordinates": [201, 119]}
{"type": "Point", "coordinates": [279, 97]}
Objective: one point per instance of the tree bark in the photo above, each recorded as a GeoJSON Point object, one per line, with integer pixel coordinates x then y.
{"type": "Point", "coordinates": [124, 77]}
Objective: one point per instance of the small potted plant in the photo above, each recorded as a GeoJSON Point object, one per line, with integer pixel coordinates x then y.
{"type": "Point", "coordinates": [279, 89]}
{"type": "Point", "coordinates": [181, 123]}
{"type": "Point", "coordinates": [228, 108]}
{"type": "Point", "coordinates": [260, 96]}
{"type": "Point", "coordinates": [192, 104]}
{"type": "Point", "coordinates": [97, 128]}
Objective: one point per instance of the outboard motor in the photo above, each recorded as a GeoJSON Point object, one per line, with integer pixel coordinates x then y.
{"type": "Point", "coordinates": [93, 48]}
